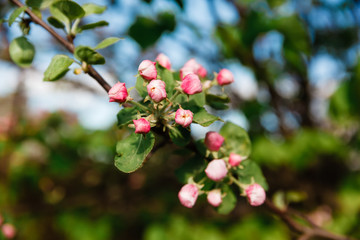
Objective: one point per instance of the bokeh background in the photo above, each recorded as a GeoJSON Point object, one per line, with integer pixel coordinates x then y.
{"type": "Point", "coordinates": [297, 93]}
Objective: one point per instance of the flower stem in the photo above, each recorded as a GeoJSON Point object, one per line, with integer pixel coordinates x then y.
{"type": "Point", "coordinates": [139, 105]}
{"type": "Point", "coordinates": [239, 184]}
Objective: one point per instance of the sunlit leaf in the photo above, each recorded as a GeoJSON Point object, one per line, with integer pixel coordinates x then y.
{"type": "Point", "coordinates": [132, 151]}
{"type": "Point", "coordinates": [58, 67]}
{"type": "Point", "coordinates": [21, 51]}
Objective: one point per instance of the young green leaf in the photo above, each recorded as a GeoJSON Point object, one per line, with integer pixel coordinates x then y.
{"type": "Point", "coordinates": [107, 42]}
{"type": "Point", "coordinates": [16, 14]}
{"type": "Point", "coordinates": [92, 25]}
{"type": "Point", "coordinates": [251, 171]}
{"type": "Point", "coordinates": [217, 102]}
{"type": "Point", "coordinates": [55, 22]}
{"type": "Point", "coordinates": [132, 151]}
{"type": "Point", "coordinates": [228, 202]}
{"type": "Point", "coordinates": [58, 67]}
{"type": "Point", "coordinates": [66, 11]}
{"type": "Point", "coordinates": [140, 87]}
{"type": "Point", "coordinates": [88, 55]}
{"type": "Point", "coordinates": [236, 139]}
{"type": "Point", "coordinates": [179, 135]}
{"type": "Point", "coordinates": [126, 115]}
{"type": "Point", "coordinates": [202, 117]}
{"type": "Point", "coordinates": [167, 77]}
{"type": "Point", "coordinates": [91, 8]}
{"type": "Point", "coordinates": [21, 51]}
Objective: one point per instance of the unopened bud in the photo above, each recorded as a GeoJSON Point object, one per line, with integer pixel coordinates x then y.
{"type": "Point", "coordinates": [188, 195]}
{"type": "Point", "coordinates": [214, 197]}
{"type": "Point", "coordinates": [255, 194]}
{"type": "Point", "coordinates": [216, 170]}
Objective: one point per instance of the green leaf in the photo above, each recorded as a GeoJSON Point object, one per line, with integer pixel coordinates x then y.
{"type": "Point", "coordinates": [88, 55]}
{"type": "Point", "coordinates": [91, 8]}
{"type": "Point", "coordinates": [58, 67]}
{"type": "Point", "coordinates": [39, 4]}
{"type": "Point", "coordinates": [126, 115]}
{"type": "Point", "coordinates": [179, 135]}
{"type": "Point", "coordinates": [22, 52]}
{"type": "Point", "coordinates": [251, 171]}
{"type": "Point", "coordinates": [236, 139]}
{"type": "Point", "coordinates": [190, 168]}
{"type": "Point", "coordinates": [16, 14]}
{"type": "Point", "coordinates": [56, 22]}
{"type": "Point", "coordinates": [93, 25]}
{"type": "Point", "coordinates": [204, 118]}
{"type": "Point", "coordinates": [66, 11]}
{"type": "Point", "coordinates": [132, 151]}
{"type": "Point", "coordinates": [107, 42]}
{"type": "Point", "coordinates": [217, 102]}
{"type": "Point", "coordinates": [145, 27]}
{"type": "Point", "coordinates": [228, 202]}
{"type": "Point", "coordinates": [167, 77]}
{"type": "Point", "coordinates": [195, 100]}
{"type": "Point", "coordinates": [140, 86]}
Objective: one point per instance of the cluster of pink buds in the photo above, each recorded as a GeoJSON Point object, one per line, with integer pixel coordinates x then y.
{"type": "Point", "coordinates": [7, 229]}
{"type": "Point", "coordinates": [190, 84]}
{"type": "Point", "coordinates": [217, 170]}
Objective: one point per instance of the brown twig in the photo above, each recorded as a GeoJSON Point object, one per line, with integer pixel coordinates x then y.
{"type": "Point", "coordinates": [305, 232]}
{"type": "Point", "coordinates": [68, 45]}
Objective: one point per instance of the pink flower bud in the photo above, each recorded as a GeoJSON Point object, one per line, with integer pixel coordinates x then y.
{"type": "Point", "coordinates": [142, 125]}
{"type": "Point", "coordinates": [201, 71]}
{"type": "Point", "coordinates": [224, 77]}
{"type": "Point", "coordinates": [163, 60]}
{"type": "Point", "coordinates": [191, 84]}
{"type": "Point", "coordinates": [156, 90]}
{"type": "Point", "coordinates": [118, 93]}
{"type": "Point", "coordinates": [183, 117]}
{"type": "Point", "coordinates": [235, 159]}
{"type": "Point", "coordinates": [255, 194]}
{"type": "Point", "coordinates": [185, 71]}
{"type": "Point", "coordinates": [147, 70]}
{"type": "Point", "coordinates": [216, 170]}
{"type": "Point", "coordinates": [188, 195]}
{"type": "Point", "coordinates": [214, 197]}
{"type": "Point", "coordinates": [8, 230]}
{"type": "Point", "coordinates": [213, 141]}
{"type": "Point", "coordinates": [192, 66]}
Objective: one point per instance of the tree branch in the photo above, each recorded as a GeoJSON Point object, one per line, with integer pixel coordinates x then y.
{"type": "Point", "coordinates": [68, 45]}
{"type": "Point", "coordinates": [305, 232]}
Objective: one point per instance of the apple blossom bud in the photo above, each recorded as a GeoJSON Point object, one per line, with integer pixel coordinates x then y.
{"type": "Point", "coordinates": [156, 90]}
{"type": "Point", "coordinates": [185, 71]}
{"type": "Point", "coordinates": [188, 195]}
{"type": "Point", "coordinates": [201, 71]}
{"type": "Point", "coordinates": [255, 194]}
{"type": "Point", "coordinates": [235, 159]}
{"type": "Point", "coordinates": [191, 84]}
{"type": "Point", "coordinates": [147, 70]}
{"type": "Point", "coordinates": [118, 93]}
{"type": "Point", "coordinates": [142, 125]}
{"type": "Point", "coordinates": [183, 117]}
{"type": "Point", "coordinates": [163, 60]}
{"type": "Point", "coordinates": [192, 66]}
{"type": "Point", "coordinates": [213, 141]}
{"type": "Point", "coordinates": [224, 77]}
{"type": "Point", "coordinates": [8, 231]}
{"type": "Point", "coordinates": [216, 170]}
{"type": "Point", "coordinates": [214, 197]}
